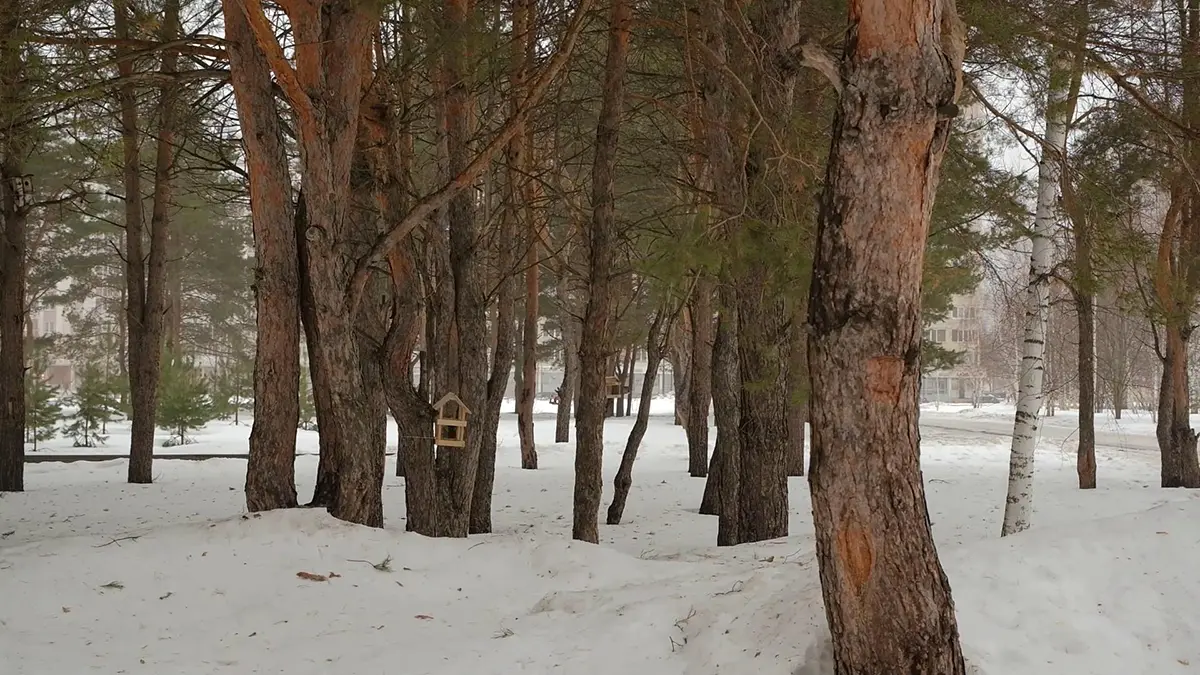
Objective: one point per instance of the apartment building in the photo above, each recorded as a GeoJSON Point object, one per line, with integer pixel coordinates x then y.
{"type": "Point", "coordinates": [960, 331]}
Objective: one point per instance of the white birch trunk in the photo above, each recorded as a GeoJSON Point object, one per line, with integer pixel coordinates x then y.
{"type": "Point", "coordinates": [1019, 505]}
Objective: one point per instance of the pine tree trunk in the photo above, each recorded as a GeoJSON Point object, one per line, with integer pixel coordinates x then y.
{"type": "Point", "coordinates": [886, 597]}
{"type": "Point", "coordinates": [270, 470]}
{"type": "Point", "coordinates": [519, 164]}
{"type": "Point", "coordinates": [797, 395]}
{"type": "Point", "coordinates": [502, 362]}
{"type": "Point", "coordinates": [570, 359]}
{"type": "Point", "coordinates": [624, 477]}
{"type": "Point", "coordinates": [727, 384]}
{"type": "Point", "coordinates": [1085, 463]}
{"type": "Point", "coordinates": [597, 327]}
{"type": "Point", "coordinates": [146, 278]}
{"type": "Point", "coordinates": [13, 269]}
{"type": "Point", "coordinates": [1019, 504]}
{"type": "Point", "coordinates": [701, 379]}
{"type": "Point", "coordinates": [12, 315]}
{"type": "Point", "coordinates": [457, 468]}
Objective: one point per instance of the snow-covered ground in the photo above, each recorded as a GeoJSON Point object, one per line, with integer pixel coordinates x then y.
{"type": "Point", "coordinates": [100, 576]}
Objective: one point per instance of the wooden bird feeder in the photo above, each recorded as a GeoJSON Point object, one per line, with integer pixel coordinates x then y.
{"type": "Point", "coordinates": [613, 387]}
{"type": "Point", "coordinates": [451, 428]}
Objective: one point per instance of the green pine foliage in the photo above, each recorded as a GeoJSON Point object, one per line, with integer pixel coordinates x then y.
{"type": "Point", "coordinates": [233, 389]}
{"type": "Point", "coordinates": [308, 409]}
{"type": "Point", "coordinates": [42, 408]}
{"type": "Point", "coordinates": [184, 402]}
{"type": "Point", "coordinates": [95, 403]}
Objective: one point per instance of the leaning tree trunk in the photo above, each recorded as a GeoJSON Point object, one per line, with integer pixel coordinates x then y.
{"type": "Point", "coordinates": [886, 596]}
{"type": "Point", "coordinates": [700, 395]}
{"type": "Point", "coordinates": [270, 470]}
{"type": "Point", "coordinates": [596, 334]}
{"type": "Point", "coordinates": [146, 278]}
{"type": "Point", "coordinates": [1019, 504]}
{"type": "Point", "coordinates": [624, 478]}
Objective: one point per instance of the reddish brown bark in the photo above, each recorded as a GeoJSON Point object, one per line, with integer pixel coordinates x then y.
{"type": "Point", "coordinates": [596, 333]}
{"type": "Point", "coordinates": [886, 597]}
{"type": "Point", "coordinates": [270, 470]}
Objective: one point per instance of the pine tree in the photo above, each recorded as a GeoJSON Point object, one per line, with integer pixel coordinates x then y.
{"type": "Point", "coordinates": [95, 404]}
{"type": "Point", "coordinates": [308, 409]}
{"type": "Point", "coordinates": [184, 402]}
{"type": "Point", "coordinates": [42, 409]}
{"type": "Point", "coordinates": [233, 387]}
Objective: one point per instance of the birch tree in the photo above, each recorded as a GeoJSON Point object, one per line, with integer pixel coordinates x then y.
{"type": "Point", "coordinates": [1019, 503]}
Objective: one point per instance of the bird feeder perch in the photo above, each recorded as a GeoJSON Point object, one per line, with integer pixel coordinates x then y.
{"type": "Point", "coordinates": [613, 387]}
{"type": "Point", "coordinates": [451, 428]}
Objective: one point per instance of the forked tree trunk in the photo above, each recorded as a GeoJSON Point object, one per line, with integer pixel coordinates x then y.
{"type": "Point", "coordinates": [324, 89]}
{"type": "Point", "coordinates": [270, 470]}
{"type": "Point", "coordinates": [886, 597]}
{"type": "Point", "coordinates": [797, 392]}
{"type": "Point", "coordinates": [146, 276]}
{"type": "Point", "coordinates": [1019, 504]}
{"type": "Point", "coordinates": [502, 362]}
{"type": "Point", "coordinates": [701, 392]}
{"type": "Point", "coordinates": [624, 478]}
{"type": "Point", "coordinates": [596, 334]}
{"type": "Point", "coordinates": [12, 262]}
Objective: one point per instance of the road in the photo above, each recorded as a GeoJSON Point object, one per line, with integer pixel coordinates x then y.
{"type": "Point", "coordinates": [1056, 435]}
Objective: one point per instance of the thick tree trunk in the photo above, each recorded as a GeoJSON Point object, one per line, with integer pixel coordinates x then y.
{"type": "Point", "coordinates": [457, 468]}
{"type": "Point", "coordinates": [12, 327]}
{"type": "Point", "coordinates": [1019, 504]}
{"type": "Point", "coordinates": [886, 597]}
{"type": "Point", "coordinates": [700, 395]}
{"type": "Point", "coordinates": [12, 261]}
{"type": "Point", "coordinates": [270, 471]}
{"type": "Point", "coordinates": [147, 277]}
{"type": "Point", "coordinates": [1176, 440]}
{"type": "Point", "coordinates": [624, 479]}
{"type": "Point", "coordinates": [597, 327]}
{"type": "Point", "coordinates": [502, 362]}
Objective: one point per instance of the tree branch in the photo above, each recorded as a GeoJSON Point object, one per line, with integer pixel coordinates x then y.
{"type": "Point", "coordinates": [435, 200]}
{"type": "Point", "coordinates": [285, 74]}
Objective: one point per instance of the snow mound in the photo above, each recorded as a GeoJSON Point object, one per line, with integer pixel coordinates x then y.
{"type": "Point", "coordinates": [1116, 596]}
